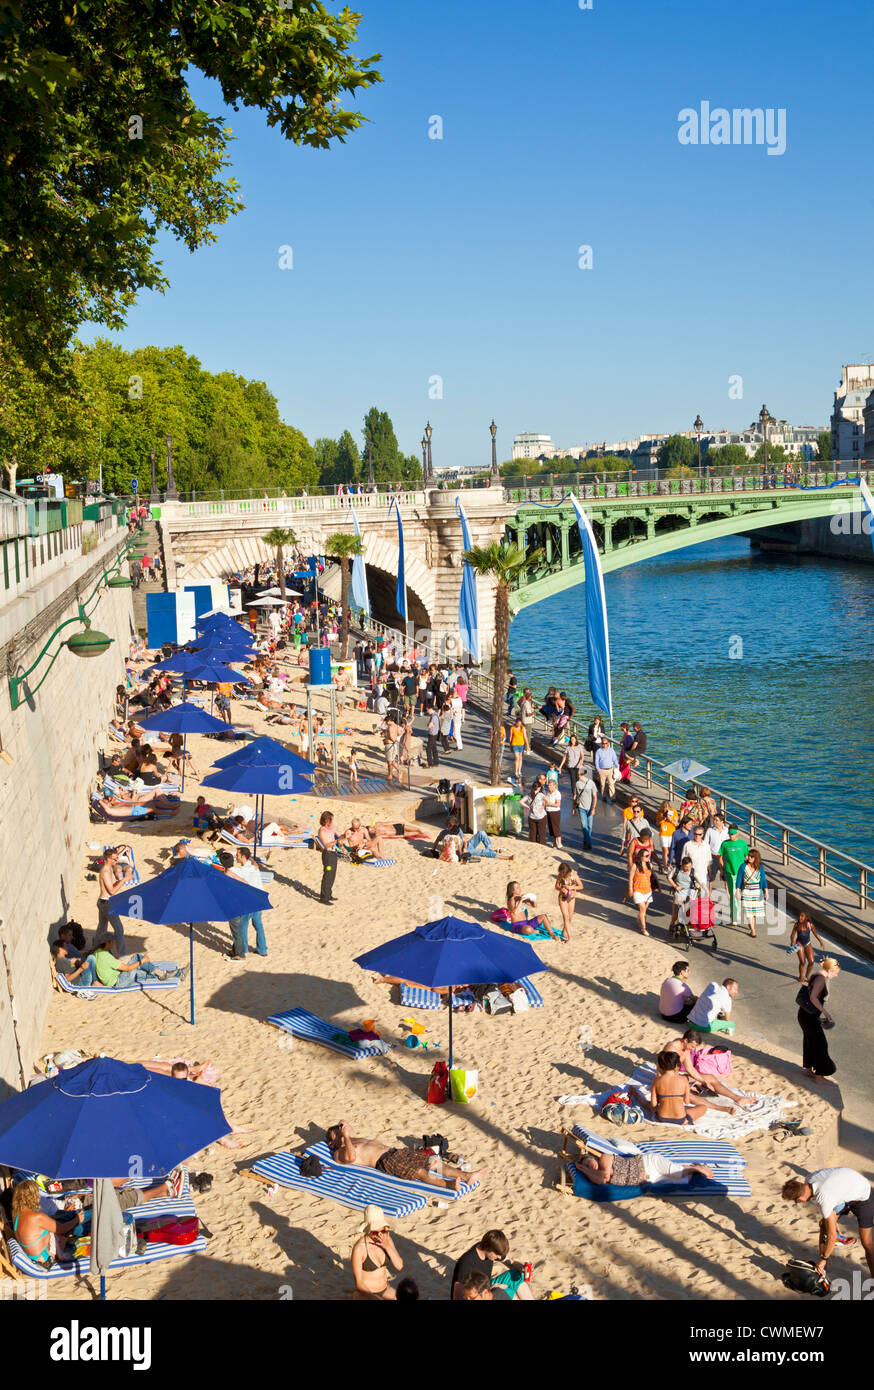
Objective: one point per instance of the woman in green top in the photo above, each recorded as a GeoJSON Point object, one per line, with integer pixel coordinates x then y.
{"type": "Point", "coordinates": [732, 855]}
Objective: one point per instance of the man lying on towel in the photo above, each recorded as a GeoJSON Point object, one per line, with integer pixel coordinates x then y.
{"type": "Point", "coordinates": [633, 1170]}
{"type": "Point", "coordinates": [412, 1165]}
{"type": "Point", "coordinates": [112, 806]}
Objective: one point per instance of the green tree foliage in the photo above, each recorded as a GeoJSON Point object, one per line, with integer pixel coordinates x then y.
{"type": "Point", "coordinates": [678, 452]}
{"type": "Point", "coordinates": [824, 446]}
{"type": "Point", "coordinates": [337, 460]}
{"type": "Point", "coordinates": [103, 149]}
{"type": "Point", "coordinates": [389, 464]}
{"type": "Point", "coordinates": [778, 457]}
{"type": "Point", "coordinates": [727, 457]}
{"type": "Point", "coordinates": [226, 431]}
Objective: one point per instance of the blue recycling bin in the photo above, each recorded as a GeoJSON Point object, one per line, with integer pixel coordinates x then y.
{"type": "Point", "coordinates": [320, 665]}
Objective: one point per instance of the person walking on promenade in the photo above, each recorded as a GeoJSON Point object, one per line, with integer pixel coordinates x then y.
{"type": "Point", "coordinates": [834, 1191]}
{"type": "Point", "coordinates": [553, 809]}
{"type": "Point", "coordinates": [527, 711]}
{"type": "Point", "coordinates": [802, 930]}
{"type": "Point", "coordinates": [586, 798]}
{"type": "Point", "coordinates": [510, 695]}
{"type": "Point", "coordinates": [572, 759]}
{"type": "Point", "coordinates": [606, 765]}
{"type": "Point", "coordinates": [326, 841]}
{"type": "Point", "coordinates": [814, 1018]}
{"type": "Point", "coordinates": [432, 753]}
{"type": "Point", "coordinates": [594, 735]}
{"type": "Point", "coordinates": [519, 744]}
{"type": "Point", "coordinates": [752, 887]}
{"type": "Point", "coordinates": [642, 883]}
{"type": "Point", "coordinates": [666, 820]}
{"type": "Point", "coordinates": [732, 855]}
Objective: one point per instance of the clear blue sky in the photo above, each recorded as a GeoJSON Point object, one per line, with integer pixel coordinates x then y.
{"type": "Point", "coordinates": [458, 257]}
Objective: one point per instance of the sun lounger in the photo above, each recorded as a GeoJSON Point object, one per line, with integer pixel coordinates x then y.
{"type": "Point", "coordinates": [726, 1161]}
{"type": "Point", "coordinates": [425, 1189]}
{"type": "Point", "coordinates": [351, 1187]}
{"type": "Point", "coordinates": [141, 813]}
{"type": "Point", "coordinates": [302, 1024]}
{"type": "Point", "coordinates": [61, 983]}
{"type": "Point", "coordinates": [415, 997]}
{"type": "Point", "coordinates": [302, 841]}
{"type": "Point", "coordinates": [158, 1207]}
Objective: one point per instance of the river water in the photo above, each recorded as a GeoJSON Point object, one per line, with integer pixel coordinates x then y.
{"type": "Point", "coordinates": [761, 667]}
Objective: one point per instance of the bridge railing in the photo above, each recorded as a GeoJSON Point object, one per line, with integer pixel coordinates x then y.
{"type": "Point", "coordinates": [792, 845]}
{"type": "Point", "coordinates": [553, 488]}
{"type": "Point", "coordinates": [283, 506]}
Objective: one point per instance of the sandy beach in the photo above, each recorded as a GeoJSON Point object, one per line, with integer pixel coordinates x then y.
{"type": "Point", "coordinates": [287, 1246]}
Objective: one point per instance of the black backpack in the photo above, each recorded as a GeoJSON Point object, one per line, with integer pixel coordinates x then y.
{"type": "Point", "coordinates": [803, 1277]}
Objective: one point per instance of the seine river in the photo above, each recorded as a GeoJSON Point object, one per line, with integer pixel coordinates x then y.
{"type": "Point", "coordinates": [761, 667]}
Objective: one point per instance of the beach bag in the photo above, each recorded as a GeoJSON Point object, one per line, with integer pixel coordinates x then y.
{"type": "Point", "coordinates": [714, 1061]}
{"type": "Point", "coordinates": [619, 1112]}
{"type": "Point", "coordinates": [499, 915]}
{"type": "Point", "coordinates": [181, 1232]}
{"type": "Point", "coordinates": [463, 1085]}
{"type": "Point", "coordinates": [802, 1276]}
{"type": "Point", "coordinates": [438, 1086]}
{"type": "Point", "coordinates": [494, 1002]}
{"type": "Point", "coordinates": [520, 1001]}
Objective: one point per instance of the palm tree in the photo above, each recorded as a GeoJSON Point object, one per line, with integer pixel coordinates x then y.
{"type": "Point", "coordinates": [503, 563]}
{"type": "Point", "coordinates": [343, 547]}
{"type": "Point", "coordinates": [280, 539]}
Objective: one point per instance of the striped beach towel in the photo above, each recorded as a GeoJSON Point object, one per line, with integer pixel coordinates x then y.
{"type": "Point", "coordinates": [425, 1189]}
{"type": "Point", "coordinates": [726, 1161]}
{"type": "Point", "coordinates": [351, 1187]}
{"type": "Point", "coordinates": [303, 1024]}
{"type": "Point", "coordinates": [95, 991]}
{"type": "Point", "coordinates": [158, 1207]}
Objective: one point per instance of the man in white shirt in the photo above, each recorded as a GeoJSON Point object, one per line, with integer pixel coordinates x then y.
{"type": "Point", "coordinates": [835, 1190]}
{"type": "Point", "coordinates": [246, 869]}
{"type": "Point", "coordinates": [699, 852]}
{"type": "Point", "coordinates": [714, 1003]}
{"type": "Point", "coordinates": [714, 840]}
{"type": "Point", "coordinates": [456, 704]}
{"type": "Point", "coordinates": [606, 767]}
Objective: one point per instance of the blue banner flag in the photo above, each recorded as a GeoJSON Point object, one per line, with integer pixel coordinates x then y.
{"type": "Point", "coordinates": [468, 606]}
{"type": "Point", "coordinates": [401, 590]}
{"type": "Point", "coordinates": [597, 636]}
{"type": "Point", "coordinates": [360, 597]}
{"type": "Point", "coordinates": [868, 503]}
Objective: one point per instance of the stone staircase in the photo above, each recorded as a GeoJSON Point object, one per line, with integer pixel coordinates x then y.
{"type": "Point", "coordinates": [151, 535]}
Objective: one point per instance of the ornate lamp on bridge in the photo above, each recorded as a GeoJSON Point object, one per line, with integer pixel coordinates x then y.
{"type": "Point", "coordinates": [494, 476]}
{"type": "Point", "coordinates": [765, 419]}
{"type": "Point", "coordinates": [170, 495]}
{"type": "Point", "coordinates": [153, 491]}
{"type": "Point", "coordinates": [698, 427]}
{"type": "Point", "coordinates": [424, 459]}
{"type": "Point", "coordinates": [429, 466]}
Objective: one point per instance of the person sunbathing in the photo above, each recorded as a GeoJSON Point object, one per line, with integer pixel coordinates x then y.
{"type": "Point", "coordinates": [411, 1165]}
{"type": "Point", "coordinates": [670, 1101]}
{"type": "Point", "coordinates": [194, 1071]}
{"type": "Point", "coordinates": [135, 731]}
{"type": "Point", "coordinates": [153, 797]}
{"type": "Point", "coordinates": [360, 840]}
{"type": "Point", "coordinates": [632, 1170]}
{"type": "Point", "coordinates": [41, 1237]}
{"type": "Point", "coordinates": [690, 1048]}
{"type": "Point", "coordinates": [514, 917]}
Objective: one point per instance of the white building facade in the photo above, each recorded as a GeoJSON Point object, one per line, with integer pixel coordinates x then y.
{"type": "Point", "coordinates": [848, 414]}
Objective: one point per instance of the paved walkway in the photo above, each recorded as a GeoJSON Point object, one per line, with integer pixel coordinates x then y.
{"type": "Point", "coordinates": [767, 975]}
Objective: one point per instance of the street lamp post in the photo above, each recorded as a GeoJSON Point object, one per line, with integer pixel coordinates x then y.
{"type": "Point", "coordinates": [494, 476]}
{"type": "Point", "coordinates": [698, 427]}
{"type": "Point", "coordinates": [170, 495]}
{"type": "Point", "coordinates": [429, 468]}
{"type": "Point", "coordinates": [424, 459]}
{"type": "Point", "coordinates": [765, 419]}
{"type": "Point", "coordinates": [153, 493]}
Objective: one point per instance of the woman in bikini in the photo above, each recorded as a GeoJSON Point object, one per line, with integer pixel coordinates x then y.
{"type": "Point", "coordinates": [514, 917]}
{"type": "Point", "coordinates": [671, 1098]}
{"type": "Point", "coordinates": [371, 1254]}
{"type": "Point", "coordinates": [39, 1236]}
{"type": "Point", "coordinates": [567, 884]}
{"type": "Point", "coordinates": [802, 930]}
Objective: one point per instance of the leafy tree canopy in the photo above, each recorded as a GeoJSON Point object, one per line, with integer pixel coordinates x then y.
{"type": "Point", "coordinates": [102, 147]}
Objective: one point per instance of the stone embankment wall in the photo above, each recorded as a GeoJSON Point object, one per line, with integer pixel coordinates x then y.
{"type": "Point", "coordinates": [48, 761]}
{"type": "Point", "coordinates": [841, 538]}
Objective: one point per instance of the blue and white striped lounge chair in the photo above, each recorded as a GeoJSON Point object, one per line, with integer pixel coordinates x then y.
{"type": "Point", "coordinates": [303, 1024]}
{"type": "Point", "coordinates": [415, 997]}
{"type": "Point", "coordinates": [101, 992]}
{"type": "Point", "coordinates": [726, 1161]}
{"type": "Point", "coordinates": [157, 1207]}
{"type": "Point", "coordinates": [425, 1189]}
{"type": "Point", "coordinates": [351, 1187]}
{"type": "Point", "coordinates": [302, 841]}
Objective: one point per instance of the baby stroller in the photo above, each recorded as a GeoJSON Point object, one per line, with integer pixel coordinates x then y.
{"type": "Point", "coordinates": [695, 922]}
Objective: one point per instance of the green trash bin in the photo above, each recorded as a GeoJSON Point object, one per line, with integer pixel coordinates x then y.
{"type": "Point", "coordinates": [513, 818]}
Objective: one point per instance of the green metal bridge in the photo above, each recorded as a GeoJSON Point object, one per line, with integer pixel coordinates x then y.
{"type": "Point", "coordinates": [650, 520]}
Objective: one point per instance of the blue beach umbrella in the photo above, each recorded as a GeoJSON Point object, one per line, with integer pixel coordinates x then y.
{"type": "Point", "coordinates": [184, 719]}
{"type": "Point", "coordinates": [452, 952]}
{"type": "Point", "coordinates": [189, 892]}
{"type": "Point", "coordinates": [263, 768]}
{"type": "Point", "coordinates": [89, 1122]}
